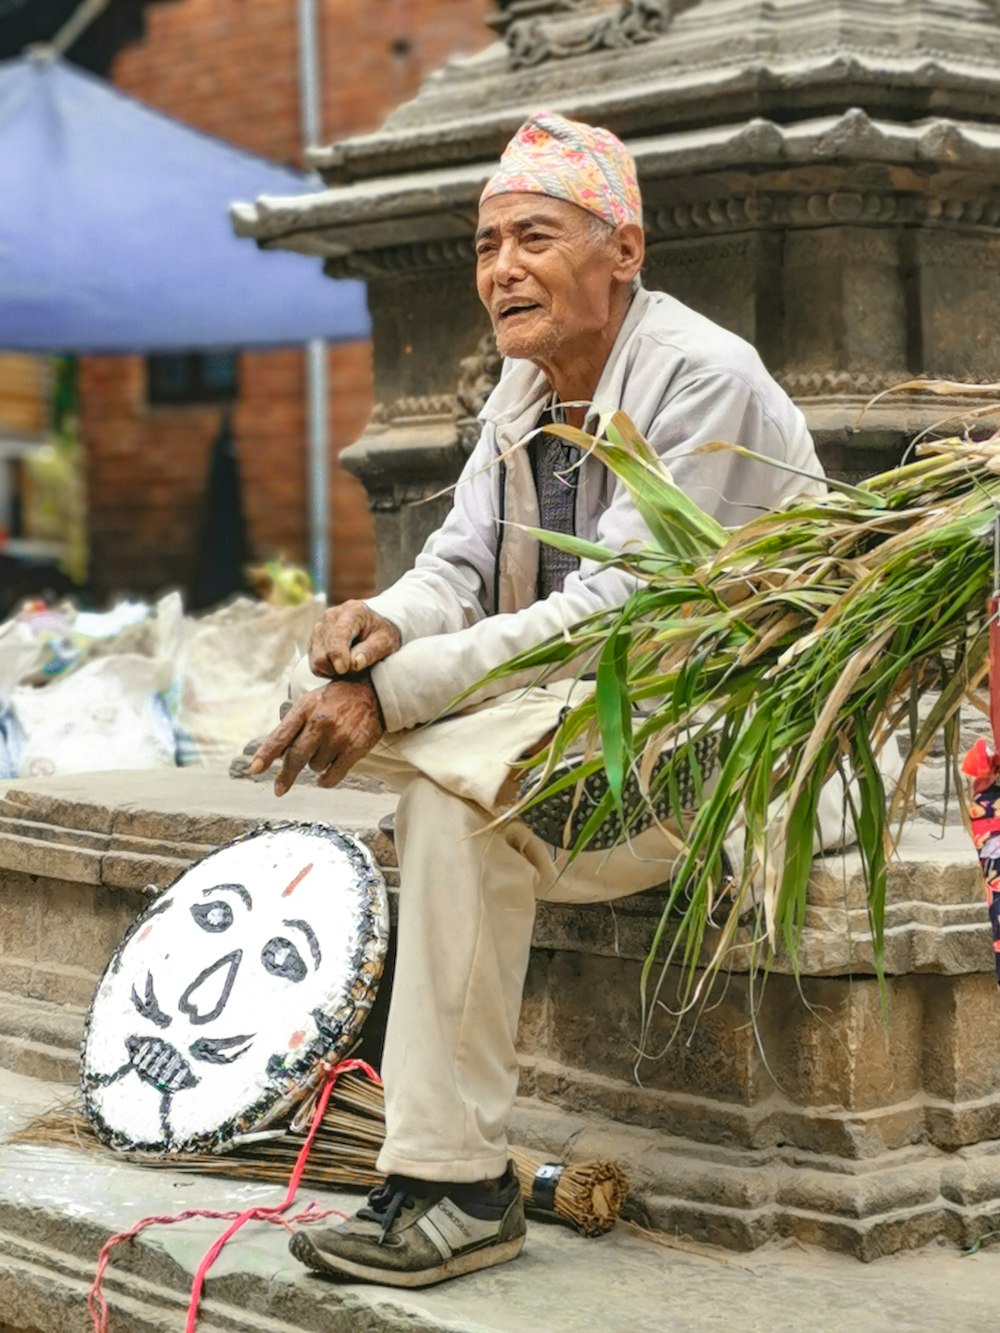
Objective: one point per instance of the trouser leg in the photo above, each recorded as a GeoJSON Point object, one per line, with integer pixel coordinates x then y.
{"type": "Point", "coordinates": [466, 912]}
{"type": "Point", "coordinates": [467, 905]}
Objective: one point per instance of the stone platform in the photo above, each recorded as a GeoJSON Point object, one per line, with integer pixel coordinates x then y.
{"type": "Point", "coordinates": [58, 1207]}
{"type": "Point", "coordinates": [820, 1125]}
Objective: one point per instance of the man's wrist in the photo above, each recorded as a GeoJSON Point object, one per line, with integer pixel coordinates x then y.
{"type": "Point", "coordinates": [378, 702]}
{"type": "Point", "coordinates": [362, 678]}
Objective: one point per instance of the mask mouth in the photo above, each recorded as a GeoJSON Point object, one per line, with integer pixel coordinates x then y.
{"type": "Point", "coordinates": [160, 1064]}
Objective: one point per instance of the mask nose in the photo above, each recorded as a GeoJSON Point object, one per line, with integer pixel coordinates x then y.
{"type": "Point", "coordinates": [207, 996]}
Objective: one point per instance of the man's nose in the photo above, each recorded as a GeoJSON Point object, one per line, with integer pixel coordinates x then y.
{"type": "Point", "coordinates": [207, 996]}
{"type": "Point", "coordinates": [508, 267]}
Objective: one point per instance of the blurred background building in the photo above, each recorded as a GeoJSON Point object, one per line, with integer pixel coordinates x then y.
{"type": "Point", "coordinates": [147, 424]}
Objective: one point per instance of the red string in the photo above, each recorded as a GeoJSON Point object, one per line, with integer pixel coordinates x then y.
{"type": "Point", "coordinates": [96, 1303]}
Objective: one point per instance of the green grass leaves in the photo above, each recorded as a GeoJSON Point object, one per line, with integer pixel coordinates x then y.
{"type": "Point", "coordinates": [804, 638]}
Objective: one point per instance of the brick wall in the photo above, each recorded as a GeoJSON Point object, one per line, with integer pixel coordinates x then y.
{"type": "Point", "coordinates": [24, 383]}
{"type": "Point", "coordinates": [230, 67]}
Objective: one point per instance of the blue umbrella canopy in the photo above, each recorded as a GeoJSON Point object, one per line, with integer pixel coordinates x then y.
{"type": "Point", "coordinates": [115, 233]}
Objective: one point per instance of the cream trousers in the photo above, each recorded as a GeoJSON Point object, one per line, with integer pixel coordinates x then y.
{"type": "Point", "coordinates": [466, 911]}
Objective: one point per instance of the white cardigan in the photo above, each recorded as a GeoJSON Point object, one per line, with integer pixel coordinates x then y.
{"type": "Point", "coordinates": [683, 381]}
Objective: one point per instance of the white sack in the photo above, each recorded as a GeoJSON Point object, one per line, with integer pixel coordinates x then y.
{"type": "Point", "coordinates": [233, 669]}
{"type": "Point", "coordinates": [106, 715]}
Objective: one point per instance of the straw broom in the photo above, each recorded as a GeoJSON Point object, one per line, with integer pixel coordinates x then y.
{"type": "Point", "coordinates": [804, 639]}
{"type": "Point", "coordinates": [587, 1195]}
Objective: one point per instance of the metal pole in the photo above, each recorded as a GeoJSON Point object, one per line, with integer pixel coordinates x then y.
{"type": "Point", "coordinates": [76, 25]}
{"type": "Point", "coordinates": [316, 370]}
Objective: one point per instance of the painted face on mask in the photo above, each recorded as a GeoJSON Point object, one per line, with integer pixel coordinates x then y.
{"type": "Point", "coordinates": [255, 964]}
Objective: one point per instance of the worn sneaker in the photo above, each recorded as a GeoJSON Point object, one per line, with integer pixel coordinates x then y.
{"type": "Point", "coordinates": [559, 819]}
{"type": "Point", "coordinates": [412, 1233]}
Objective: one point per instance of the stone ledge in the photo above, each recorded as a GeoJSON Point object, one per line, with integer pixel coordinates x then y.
{"type": "Point", "coordinates": [935, 916]}
{"type": "Point", "coordinates": [139, 830]}
{"type": "Point", "coordinates": [745, 1198]}
{"type": "Point", "coordinates": [136, 831]}
{"type": "Point", "coordinates": [848, 1136]}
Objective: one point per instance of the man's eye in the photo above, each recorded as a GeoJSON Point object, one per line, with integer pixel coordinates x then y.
{"type": "Point", "coordinates": [214, 916]}
{"type": "Point", "coordinates": [282, 959]}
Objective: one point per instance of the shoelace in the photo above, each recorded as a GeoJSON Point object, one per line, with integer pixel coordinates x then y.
{"type": "Point", "coordinates": [384, 1207]}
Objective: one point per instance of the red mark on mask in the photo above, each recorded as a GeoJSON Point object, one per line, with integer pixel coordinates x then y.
{"type": "Point", "coordinates": [144, 934]}
{"type": "Point", "coordinates": [297, 880]}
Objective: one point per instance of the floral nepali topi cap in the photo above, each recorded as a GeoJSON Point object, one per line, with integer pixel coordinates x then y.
{"type": "Point", "coordinates": [565, 159]}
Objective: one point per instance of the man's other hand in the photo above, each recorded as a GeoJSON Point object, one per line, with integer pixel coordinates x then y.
{"type": "Point", "coordinates": [351, 637]}
{"type": "Point", "coordinates": [329, 729]}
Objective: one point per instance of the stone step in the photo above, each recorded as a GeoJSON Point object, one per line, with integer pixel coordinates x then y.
{"type": "Point", "coordinates": [33, 1059]}
{"type": "Point", "coordinates": [48, 1287]}
{"type": "Point", "coordinates": [59, 983]}
{"type": "Point", "coordinates": [792, 1126]}
{"type": "Point", "coordinates": [39, 1020]}
{"type": "Point", "coordinates": [58, 1206]}
{"type": "Point", "coordinates": [40, 1039]}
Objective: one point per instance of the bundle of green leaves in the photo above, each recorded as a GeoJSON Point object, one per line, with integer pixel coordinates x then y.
{"type": "Point", "coordinates": [805, 638]}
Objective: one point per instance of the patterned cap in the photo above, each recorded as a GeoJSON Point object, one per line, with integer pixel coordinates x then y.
{"type": "Point", "coordinates": [566, 159]}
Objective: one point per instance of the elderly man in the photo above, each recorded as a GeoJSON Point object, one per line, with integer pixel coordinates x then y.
{"type": "Point", "coordinates": [559, 247]}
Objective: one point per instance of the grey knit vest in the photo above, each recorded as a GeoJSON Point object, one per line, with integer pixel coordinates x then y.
{"type": "Point", "coordinates": [556, 477]}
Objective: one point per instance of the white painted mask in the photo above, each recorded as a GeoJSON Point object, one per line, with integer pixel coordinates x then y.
{"type": "Point", "coordinates": [257, 963]}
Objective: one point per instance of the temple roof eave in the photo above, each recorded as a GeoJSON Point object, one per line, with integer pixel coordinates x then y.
{"type": "Point", "coordinates": [424, 206]}
{"type": "Point", "coordinates": [635, 93]}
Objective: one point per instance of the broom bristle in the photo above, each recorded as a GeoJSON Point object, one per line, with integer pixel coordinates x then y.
{"type": "Point", "coordinates": [588, 1195]}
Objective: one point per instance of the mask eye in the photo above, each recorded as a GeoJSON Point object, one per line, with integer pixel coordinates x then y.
{"type": "Point", "coordinates": [282, 959]}
{"type": "Point", "coordinates": [214, 916]}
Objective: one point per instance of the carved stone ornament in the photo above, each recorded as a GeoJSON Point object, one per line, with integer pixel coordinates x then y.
{"type": "Point", "coordinates": [479, 375]}
{"type": "Point", "coordinates": [510, 11]}
{"type": "Point", "coordinates": [434, 406]}
{"type": "Point", "coordinates": [531, 40]}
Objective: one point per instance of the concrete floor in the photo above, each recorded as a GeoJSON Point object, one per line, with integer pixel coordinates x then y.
{"type": "Point", "coordinates": [57, 1205]}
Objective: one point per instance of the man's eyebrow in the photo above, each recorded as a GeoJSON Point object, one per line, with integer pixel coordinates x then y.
{"type": "Point", "coordinates": [524, 224]}
{"type": "Point", "coordinates": [310, 935]}
{"type": "Point", "coordinates": [231, 888]}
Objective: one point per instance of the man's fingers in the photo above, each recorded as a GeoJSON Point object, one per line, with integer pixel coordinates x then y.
{"type": "Point", "coordinates": [346, 631]}
{"type": "Point", "coordinates": [296, 757]}
{"type": "Point", "coordinates": [322, 757]}
{"type": "Point", "coordinates": [277, 742]}
{"type": "Point", "coordinates": [330, 648]}
{"type": "Point", "coordinates": [383, 640]}
{"type": "Point", "coordinates": [339, 769]}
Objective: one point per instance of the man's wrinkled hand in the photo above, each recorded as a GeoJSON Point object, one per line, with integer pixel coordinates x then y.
{"type": "Point", "coordinates": [329, 729]}
{"type": "Point", "coordinates": [351, 637]}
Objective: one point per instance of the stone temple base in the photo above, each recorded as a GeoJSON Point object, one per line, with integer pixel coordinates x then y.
{"type": "Point", "coordinates": [802, 1112]}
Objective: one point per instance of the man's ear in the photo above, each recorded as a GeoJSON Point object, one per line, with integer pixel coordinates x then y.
{"type": "Point", "coordinates": [631, 242]}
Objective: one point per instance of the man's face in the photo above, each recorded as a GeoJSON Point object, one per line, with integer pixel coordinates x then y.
{"type": "Point", "coordinates": [544, 273]}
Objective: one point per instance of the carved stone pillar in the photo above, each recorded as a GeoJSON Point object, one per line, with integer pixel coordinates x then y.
{"type": "Point", "coordinates": [822, 177]}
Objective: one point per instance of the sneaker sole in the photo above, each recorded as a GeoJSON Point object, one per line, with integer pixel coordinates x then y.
{"type": "Point", "coordinates": [303, 1248]}
{"type": "Point", "coordinates": [559, 819]}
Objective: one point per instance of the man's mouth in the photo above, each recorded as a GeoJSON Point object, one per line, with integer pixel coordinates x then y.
{"type": "Point", "coordinates": [506, 312]}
